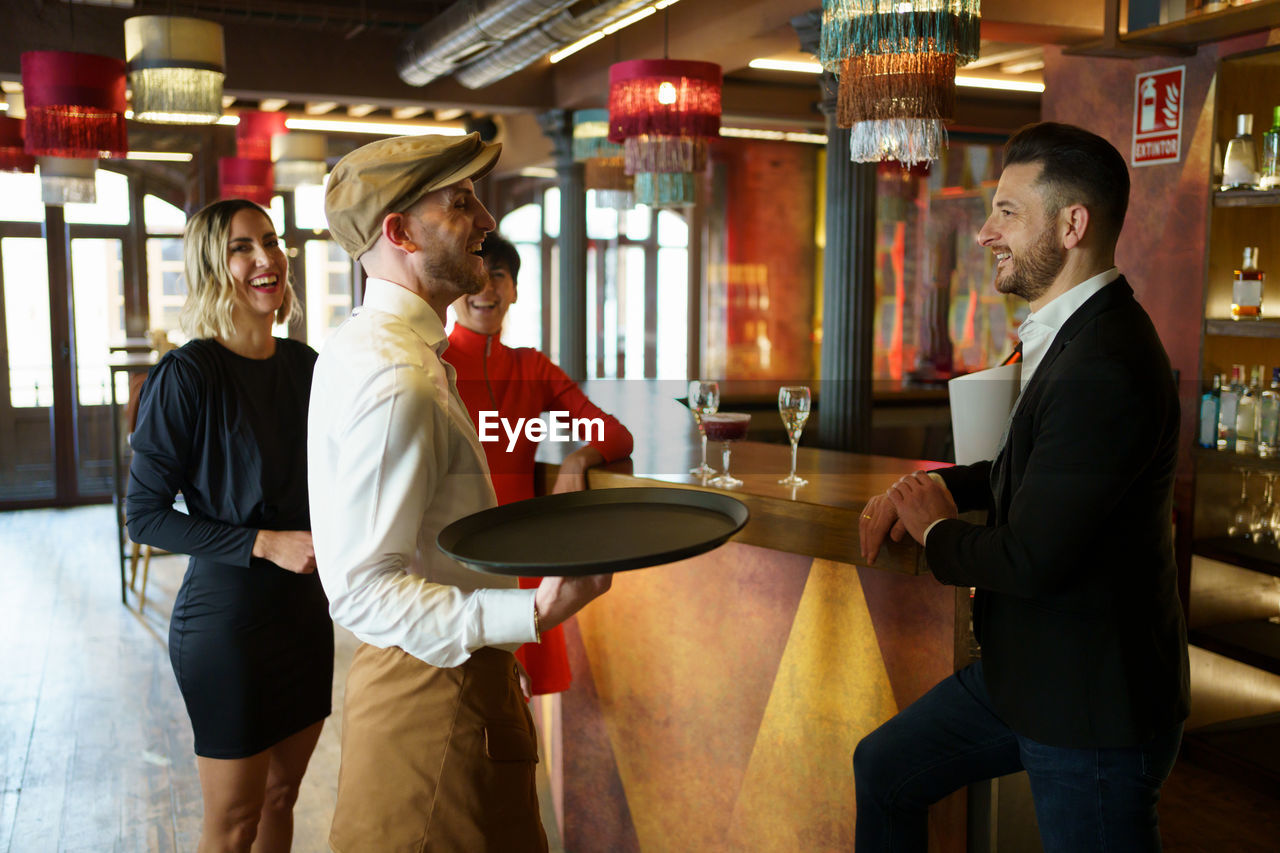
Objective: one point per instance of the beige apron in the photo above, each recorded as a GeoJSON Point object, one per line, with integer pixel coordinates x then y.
{"type": "Point", "coordinates": [436, 760]}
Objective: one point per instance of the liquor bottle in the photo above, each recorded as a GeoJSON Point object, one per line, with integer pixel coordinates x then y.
{"type": "Point", "coordinates": [1247, 414]}
{"type": "Point", "coordinates": [1270, 177]}
{"type": "Point", "coordinates": [1209, 402]}
{"type": "Point", "coordinates": [1269, 417]}
{"type": "Point", "coordinates": [1240, 166]}
{"type": "Point", "coordinates": [1246, 290]}
{"type": "Point", "coordinates": [1229, 399]}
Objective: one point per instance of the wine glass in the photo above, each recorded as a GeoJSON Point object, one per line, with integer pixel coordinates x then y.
{"type": "Point", "coordinates": [726, 427]}
{"type": "Point", "coordinates": [704, 399]}
{"type": "Point", "coordinates": [793, 406]}
{"type": "Point", "coordinates": [1244, 514]}
{"type": "Point", "coordinates": [1261, 532]}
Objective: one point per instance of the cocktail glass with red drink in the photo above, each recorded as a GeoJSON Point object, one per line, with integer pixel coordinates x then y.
{"type": "Point", "coordinates": [726, 428]}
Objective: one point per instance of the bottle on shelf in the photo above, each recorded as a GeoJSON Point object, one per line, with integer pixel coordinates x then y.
{"type": "Point", "coordinates": [1269, 417]}
{"type": "Point", "coordinates": [1229, 398]}
{"type": "Point", "coordinates": [1247, 414]}
{"type": "Point", "coordinates": [1240, 166]}
{"type": "Point", "coordinates": [1209, 402]}
{"type": "Point", "coordinates": [1246, 290]}
{"type": "Point", "coordinates": [1269, 177]}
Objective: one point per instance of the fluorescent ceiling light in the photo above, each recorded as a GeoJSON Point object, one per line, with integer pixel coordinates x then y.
{"type": "Point", "coordinates": [786, 65]}
{"type": "Point", "coordinates": [576, 46]}
{"type": "Point", "coordinates": [164, 156]}
{"type": "Point", "coordinates": [774, 135]}
{"type": "Point", "coordinates": [448, 114]}
{"type": "Point", "coordinates": [1007, 85]}
{"type": "Point", "coordinates": [538, 172]}
{"type": "Point", "coordinates": [272, 105]}
{"type": "Point", "coordinates": [337, 125]}
{"type": "Point", "coordinates": [230, 120]}
{"type": "Point", "coordinates": [608, 30]}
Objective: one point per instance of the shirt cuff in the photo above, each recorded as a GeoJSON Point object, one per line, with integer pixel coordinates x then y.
{"type": "Point", "coordinates": [927, 529]}
{"type": "Point", "coordinates": [941, 482]}
{"type": "Point", "coordinates": [507, 616]}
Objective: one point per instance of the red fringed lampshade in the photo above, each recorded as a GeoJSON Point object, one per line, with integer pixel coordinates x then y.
{"type": "Point", "coordinates": [254, 132]}
{"type": "Point", "coordinates": [667, 97]}
{"type": "Point", "coordinates": [75, 104]}
{"type": "Point", "coordinates": [241, 177]}
{"type": "Point", "coordinates": [12, 156]}
{"type": "Point", "coordinates": [663, 111]}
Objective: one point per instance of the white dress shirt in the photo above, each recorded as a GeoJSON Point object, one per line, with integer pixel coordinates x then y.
{"type": "Point", "coordinates": [392, 458]}
{"type": "Point", "coordinates": [1039, 328]}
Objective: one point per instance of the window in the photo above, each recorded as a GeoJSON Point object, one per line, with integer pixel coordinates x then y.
{"type": "Point", "coordinates": [166, 287]}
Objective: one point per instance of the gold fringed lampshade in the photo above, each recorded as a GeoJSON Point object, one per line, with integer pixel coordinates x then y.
{"type": "Point", "coordinates": [75, 104]}
{"type": "Point", "coordinates": [663, 111]}
{"type": "Point", "coordinates": [65, 180]}
{"type": "Point", "coordinates": [175, 69]}
{"type": "Point", "coordinates": [299, 159]}
{"type": "Point", "coordinates": [242, 177]}
{"type": "Point", "coordinates": [602, 162]}
{"type": "Point", "coordinates": [895, 62]}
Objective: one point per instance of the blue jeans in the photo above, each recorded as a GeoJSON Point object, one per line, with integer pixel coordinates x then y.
{"type": "Point", "coordinates": [1086, 799]}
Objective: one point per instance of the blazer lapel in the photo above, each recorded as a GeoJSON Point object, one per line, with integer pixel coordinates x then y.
{"type": "Point", "coordinates": [1102, 301]}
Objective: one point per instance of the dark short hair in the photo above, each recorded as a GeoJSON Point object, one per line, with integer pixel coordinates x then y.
{"type": "Point", "coordinates": [499, 250]}
{"type": "Point", "coordinates": [1079, 167]}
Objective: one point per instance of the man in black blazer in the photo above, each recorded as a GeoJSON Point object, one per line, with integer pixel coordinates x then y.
{"type": "Point", "coordinates": [1083, 680]}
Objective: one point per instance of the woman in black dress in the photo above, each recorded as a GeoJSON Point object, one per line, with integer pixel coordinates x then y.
{"type": "Point", "coordinates": [223, 421]}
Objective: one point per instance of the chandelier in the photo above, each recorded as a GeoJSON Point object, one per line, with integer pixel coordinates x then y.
{"type": "Point", "coordinates": [896, 63]}
{"type": "Point", "coordinates": [75, 104]}
{"type": "Point", "coordinates": [602, 160]}
{"type": "Point", "coordinates": [175, 69]}
{"type": "Point", "coordinates": [663, 112]}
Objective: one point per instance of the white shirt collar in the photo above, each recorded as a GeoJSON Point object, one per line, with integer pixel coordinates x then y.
{"type": "Point", "coordinates": [383, 295]}
{"type": "Point", "coordinates": [1040, 327]}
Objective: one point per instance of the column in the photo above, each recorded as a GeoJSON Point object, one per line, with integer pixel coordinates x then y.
{"type": "Point", "coordinates": [558, 126]}
{"type": "Point", "coordinates": [848, 277]}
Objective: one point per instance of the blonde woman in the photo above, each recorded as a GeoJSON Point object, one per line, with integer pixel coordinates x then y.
{"type": "Point", "coordinates": [223, 421]}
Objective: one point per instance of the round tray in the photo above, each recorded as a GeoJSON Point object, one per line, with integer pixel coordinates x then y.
{"type": "Point", "coordinates": [591, 532]}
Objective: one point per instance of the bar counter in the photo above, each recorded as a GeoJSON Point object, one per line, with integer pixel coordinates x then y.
{"type": "Point", "coordinates": [717, 701]}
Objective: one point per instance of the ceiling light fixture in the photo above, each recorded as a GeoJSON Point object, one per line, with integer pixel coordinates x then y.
{"type": "Point", "coordinates": [162, 156]}
{"type": "Point", "coordinates": [75, 104]}
{"type": "Point", "coordinates": [764, 63]}
{"type": "Point", "coordinates": [175, 69]}
{"type": "Point", "coordinates": [608, 30]}
{"type": "Point", "coordinates": [338, 125]}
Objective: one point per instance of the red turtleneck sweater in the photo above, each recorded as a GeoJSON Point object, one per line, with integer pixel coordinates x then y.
{"type": "Point", "coordinates": [523, 383]}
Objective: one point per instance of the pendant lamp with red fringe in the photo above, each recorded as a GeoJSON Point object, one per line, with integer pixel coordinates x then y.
{"type": "Point", "coordinates": [75, 104]}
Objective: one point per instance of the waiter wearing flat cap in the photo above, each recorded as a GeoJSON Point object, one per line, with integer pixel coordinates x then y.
{"type": "Point", "coordinates": [438, 748]}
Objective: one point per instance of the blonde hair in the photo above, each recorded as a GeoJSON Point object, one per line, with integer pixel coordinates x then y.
{"type": "Point", "coordinates": [211, 290]}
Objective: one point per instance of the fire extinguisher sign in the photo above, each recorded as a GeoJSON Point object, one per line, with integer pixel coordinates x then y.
{"type": "Point", "coordinates": [1157, 116]}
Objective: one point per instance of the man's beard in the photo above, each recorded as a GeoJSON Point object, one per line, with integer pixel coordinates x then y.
{"type": "Point", "coordinates": [448, 267]}
{"type": "Point", "coordinates": [1033, 273]}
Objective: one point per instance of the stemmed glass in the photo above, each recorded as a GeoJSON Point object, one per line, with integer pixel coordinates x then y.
{"type": "Point", "coordinates": [704, 399]}
{"type": "Point", "coordinates": [1244, 515]}
{"type": "Point", "coordinates": [793, 406]}
{"type": "Point", "coordinates": [726, 427]}
{"type": "Point", "coordinates": [1262, 532]}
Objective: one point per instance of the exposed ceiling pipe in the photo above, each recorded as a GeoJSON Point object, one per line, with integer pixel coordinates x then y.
{"type": "Point", "coordinates": [563, 29]}
{"type": "Point", "coordinates": [463, 30]}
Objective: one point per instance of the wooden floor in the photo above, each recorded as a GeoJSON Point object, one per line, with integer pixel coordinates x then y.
{"type": "Point", "coordinates": [95, 748]}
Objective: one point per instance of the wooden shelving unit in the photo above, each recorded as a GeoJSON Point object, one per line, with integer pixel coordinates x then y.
{"type": "Point", "coordinates": [1226, 327]}
{"type": "Point", "coordinates": [1178, 37]}
{"type": "Point", "coordinates": [1246, 198]}
{"type": "Point", "coordinates": [1256, 642]}
{"type": "Point", "coordinates": [1239, 552]}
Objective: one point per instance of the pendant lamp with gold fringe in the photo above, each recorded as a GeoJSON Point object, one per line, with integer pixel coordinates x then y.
{"type": "Point", "coordinates": [175, 69]}
{"type": "Point", "coordinates": [603, 167]}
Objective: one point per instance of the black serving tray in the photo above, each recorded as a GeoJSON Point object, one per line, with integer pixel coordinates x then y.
{"type": "Point", "coordinates": [592, 532]}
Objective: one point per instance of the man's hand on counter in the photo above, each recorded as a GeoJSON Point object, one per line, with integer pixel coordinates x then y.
{"type": "Point", "coordinates": [879, 519]}
{"type": "Point", "coordinates": [921, 500]}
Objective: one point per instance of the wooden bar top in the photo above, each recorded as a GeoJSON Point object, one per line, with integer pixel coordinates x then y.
{"type": "Point", "coordinates": [818, 520]}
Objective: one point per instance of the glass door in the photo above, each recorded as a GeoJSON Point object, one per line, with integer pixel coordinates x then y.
{"type": "Point", "coordinates": [27, 468]}
{"type": "Point", "coordinates": [97, 286]}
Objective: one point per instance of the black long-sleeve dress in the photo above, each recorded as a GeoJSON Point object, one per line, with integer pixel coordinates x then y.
{"type": "Point", "coordinates": [251, 643]}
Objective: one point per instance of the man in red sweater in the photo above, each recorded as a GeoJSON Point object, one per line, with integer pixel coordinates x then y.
{"type": "Point", "coordinates": [522, 383]}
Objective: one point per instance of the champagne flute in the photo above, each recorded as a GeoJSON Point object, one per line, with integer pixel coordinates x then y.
{"type": "Point", "coordinates": [793, 406]}
{"type": "Point", "coordinates": [726, 427]}
{"type": "Point", "coordinates": [704, 399]}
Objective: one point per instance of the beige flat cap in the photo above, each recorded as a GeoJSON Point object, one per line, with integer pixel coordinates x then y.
{"type": "Point", "coordinates": [390, 175]}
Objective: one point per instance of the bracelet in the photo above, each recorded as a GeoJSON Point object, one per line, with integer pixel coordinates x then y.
{"type": "Point", "coordinates": [537, 628]}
